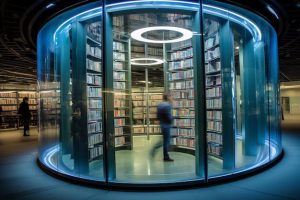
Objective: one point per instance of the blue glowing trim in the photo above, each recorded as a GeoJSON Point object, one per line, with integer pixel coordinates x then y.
{"type": "Point", "coordinates": [135, 5]}
{"type": "Point", "coordinates": [272, 11]}
{"type": "Point", "coordinates": [248, 24]}
{"type": "Point", "coordinates": [48, 157]}
{"type": "Point", "coordinates": [76, 16]}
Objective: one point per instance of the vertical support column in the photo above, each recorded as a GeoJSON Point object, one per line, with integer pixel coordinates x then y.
{"type": "Point", "coordinates": [109, 97]}
{"type": "Point", "coordinates": [79, 123]}
{"type": "Point", "coordinates": [228, 95]}
{"type": "Point", "coordinates": [249, 98]}
{"type": "Point", "coordinates": [199, 87]}
{"type": "Point", "coordinates": [260, 90]}
{"type": "Point", "coordinates": [65, 124]}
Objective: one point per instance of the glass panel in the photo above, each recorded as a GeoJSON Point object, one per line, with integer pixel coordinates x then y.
{"type": "Point", "coordinates": [143, 69]}
{"type": "Point", "coordinates": [236, 49]}
{"type": "Point", "coordinates": [71, 92]}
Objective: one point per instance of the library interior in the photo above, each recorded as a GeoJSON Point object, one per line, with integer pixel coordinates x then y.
{"type": "Point", "coordinates": [149, 99]}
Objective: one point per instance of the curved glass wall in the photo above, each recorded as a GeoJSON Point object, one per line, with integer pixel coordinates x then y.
{"type": "Point", "coordinates": [103, 69]}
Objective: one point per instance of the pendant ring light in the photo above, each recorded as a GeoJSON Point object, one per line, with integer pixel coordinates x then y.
{"type": "Point", "coordinates": [137, 34]}
{"type": "Point", "coordinates": [155, 61]}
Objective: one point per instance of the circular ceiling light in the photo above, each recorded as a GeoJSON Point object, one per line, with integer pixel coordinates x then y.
{"type": "Point", "coordinates": [185, 34]}
{"type": "Point", "coordinates": [155, 61]}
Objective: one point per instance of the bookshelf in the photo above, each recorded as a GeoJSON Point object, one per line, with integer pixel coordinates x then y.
{"type": "Point", "coordinates": [94, 91]}
{"type": "Point", "coordinates": [10, 102]}
{"type": "Point", "coordinates": [144, 110]}
{"type": "Point", "coordinates": [219, 94]}
{"type": "Point", "coordinates": [213, 91]}
{"type": "Point", "coordinates": [122, 89]}
{"type": "Point", "coordinates": [180, 77]}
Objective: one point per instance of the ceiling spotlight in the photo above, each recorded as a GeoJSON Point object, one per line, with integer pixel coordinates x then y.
{"type": "Point", "coordinates": [237, 47]}
{"type": "Point", "coordinates": [154, 61]}
{"type": "Point", "coordinates": [185, 34]}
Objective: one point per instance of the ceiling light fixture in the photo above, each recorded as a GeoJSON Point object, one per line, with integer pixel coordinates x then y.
{"type": "Point", "coordinates": [137, 34]}
{"type": "Point", "coordinates": [155, 61]}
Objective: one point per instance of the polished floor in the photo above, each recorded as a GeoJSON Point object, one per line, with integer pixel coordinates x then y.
{"type": "Point", "coordinates": [21, 178]}
{"type": "Point", "coordinates": [138, 166]}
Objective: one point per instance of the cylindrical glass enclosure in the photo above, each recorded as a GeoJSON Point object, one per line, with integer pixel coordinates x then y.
{"type": "Point", "coordinates": [103, 69]}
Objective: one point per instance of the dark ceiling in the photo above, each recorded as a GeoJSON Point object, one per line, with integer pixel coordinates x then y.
{"type": "Point", "coordinates": [19, 22]}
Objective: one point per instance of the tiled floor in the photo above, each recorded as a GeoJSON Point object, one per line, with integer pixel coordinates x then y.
{"type": "Point", "coordinates": [21, 178]}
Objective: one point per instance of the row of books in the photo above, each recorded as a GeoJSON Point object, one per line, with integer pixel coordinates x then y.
{"type": "Point", "coordinates": [119, 141]}
{"type": "Point", "coordinates": [119, 103]}
{"type": "Point", "coordinates": [119, 113]}
{"type": "Point", "coordinates": [183, 103]}
{"type": "Point", "coordinates": [186, 132]}
{"type": "Point", "coordinates": [94, 51]}
{"type": "Point", "coordinates": [181, 75]}
{"type": "Point", "coordinates": [95, 127]}
{"type": "Point", "coordinates": [118, 66]}
{"type": "Point", "coordinates": [8, 101]}
{"type": "Point", "coordinates": [182, 85]}
{"type": "Point", "coordinates": [118, 46]}
{"type": "Point", "coordinates": [212, 54]}
{"type": "Point", "coordinates": [9, 108]}
{"type": "Point", "coordinates": [120, 122]}
{"type": "Point", "coordinates": [143, 129]}
{"type": "Point", "coordinates": [8, 94]}
{"type": "Point", "coordinates": [29, 94]}
{"type": "Point", "coordinates": [183, 113]}
{"type": "Point", "coordinates": [214, 148]}
{"type": "Point", "coordinates": [214, 92]}
{"type": "Point", "coordinates": [119, 95]}
{"type": "Point", "coordinates": [138, 49]}
{"type": "Point", "coordinates": [182, 54]}
{"type": "Point", "coordinates": [187, 94]}
{"type": "Point", "coordinates": [212, 41]}
{"type": "Point", "coordinates": [213, 27]}
{"type": "Point", "coordinates": [216, 138]}
{"type": "Point", "coordinates": [120, 85]}
{"type": "Point", "coordinates": [119, 131]}
{"type": "Point", "coordinates": [184, 122]}
{"type": "Point", "coordinates": [94, 115]}
{"type": "Point", "coordinates": [93, 65]}
{"type": "Point", "coordinates": [94, 79]}
{"type": "Point", "coordinates": [95, 139]}
{"type": "Point", "coordinates": [32, 107]}
{"type": "Point", "coordinates": [216, 115]}
{"type": "Point", "coordinates": [119, 56]}
{"type": "Point", "coordinates": [95, 152]}
{"type": "Point", "coordinates": [213, 80]}
{"type": "Point", "coordinates": [95, 103]}
{"type": "Point", "coordinates": [94, 31]}
{"type": "Point", "coordinates": [118, 21]}
{"type": "Point", "coordinates": [143, 18]}
{"type": "Point", "coordinates": [120, 76]}
{"type": "Point", "coordinates": [94, 92]}
{"type": "Point", "coordinates": [181, 65]}
{"type": "Point", "coordinates": [184, 142]}
{"type": "Point", "coordinates": [180, 45]}
{"type": "Point", "coordinates": [214, 103]}
{"type": "Point", "coordinates": [214, 126]}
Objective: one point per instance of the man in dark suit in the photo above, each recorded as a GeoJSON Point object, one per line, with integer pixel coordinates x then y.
{"type": "Point", "coordinates": [25, 115]}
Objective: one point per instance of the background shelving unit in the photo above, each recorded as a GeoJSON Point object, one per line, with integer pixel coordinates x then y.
{"type": "Point", "coordinates": [144, 110]}
{"type": "Point", "coordinates": [10, 101]}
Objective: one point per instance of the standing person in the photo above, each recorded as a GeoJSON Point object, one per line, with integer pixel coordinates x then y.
{"type": "Point", "coordinates": [25, 115]}
{"type": "Point", "coordinates": [164, 115]}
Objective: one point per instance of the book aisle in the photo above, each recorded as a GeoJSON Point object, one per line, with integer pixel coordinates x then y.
{"type": "Point", "coordinates": [10, 98]}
